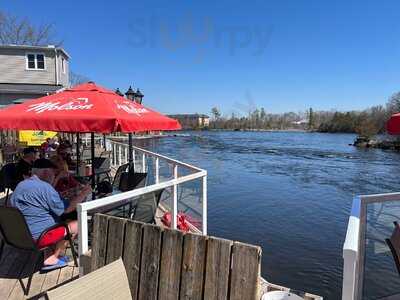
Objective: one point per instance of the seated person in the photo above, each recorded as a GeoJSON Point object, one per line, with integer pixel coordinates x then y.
{"type": "Point", "coordinates": [24, 166]}
{"type": "Point", "coordinates": [64, 182]}
{"type": "Point", "coordinates": [42, 207]}
{"type": "Point", "coordinates": [65, 151]}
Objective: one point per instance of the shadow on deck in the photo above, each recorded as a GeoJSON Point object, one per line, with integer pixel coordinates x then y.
{"type": "Point", "coordinates": [15, 264]}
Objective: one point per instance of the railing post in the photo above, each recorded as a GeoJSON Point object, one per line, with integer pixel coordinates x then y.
{"type": "Point", "coordinates": [204, 181]}
{"type": "Point", "coordinates": [157, 170]}
{"type": "Point", "coordinates": [143, 162]}
{"type": "Point", "coordinates": [83, 241]}
{"type": "Point", "coordinates": [114, 154]}
{"type": "Point", "coordinates": [119, 155]}
{"type": "Point", "coordinates": [351, 253]}
{"type": "Point", "coordinates": [134, 159]}
{"type": "Point", "coordinates": [126, 154]}
{"type": "Point", "coordinates": [175, 199]}
{"type": "Point", "coordinates": [349, 287]}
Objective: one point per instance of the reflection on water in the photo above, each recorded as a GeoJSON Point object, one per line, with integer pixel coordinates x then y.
{"type": "Point", "coordinates": [290, 193]}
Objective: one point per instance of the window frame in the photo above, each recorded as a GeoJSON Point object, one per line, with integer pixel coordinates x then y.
{"type": "Point", "coordinates": [63, 65]}
{"type": "Point", "coordinates": [35, 54]}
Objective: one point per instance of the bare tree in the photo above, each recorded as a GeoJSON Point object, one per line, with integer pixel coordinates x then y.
{"type": "Point", "coordinates": [215, 113]}
{"type": "Point", "coordinates": [393, 105]}
{"type": "Point", "coordinates": [75, 79]}
{"type": "Point", "coordinates": [21, 31]}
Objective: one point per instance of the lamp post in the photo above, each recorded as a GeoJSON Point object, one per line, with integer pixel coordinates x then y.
{"type": "Point", "coordinates": [130, 94]}
{"type": "Point", "coordinates": [138, 96]}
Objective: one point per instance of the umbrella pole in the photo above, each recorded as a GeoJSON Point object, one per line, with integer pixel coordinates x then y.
{"type": "Point", "coordinates": [93, 170]}
{"type": "Point", "coordinates": [130, 142]}
{"type": "Point", "coordinates": [104, 142]}
{"type": "Point", "coordinates": [77, 154]}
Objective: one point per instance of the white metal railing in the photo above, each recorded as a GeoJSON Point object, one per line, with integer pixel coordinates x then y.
{"type": "Point", "coordinates": [120, 156]}
{"type": "Point", "coordinates": [351, 253]}
{"type": "Point", "coordinates": [354, 252]}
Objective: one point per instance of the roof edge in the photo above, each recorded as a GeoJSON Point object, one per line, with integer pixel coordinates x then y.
{"type": "Point", "coordinates": [31, 47]}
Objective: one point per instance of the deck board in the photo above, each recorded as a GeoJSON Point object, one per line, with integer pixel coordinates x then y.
{"type": "Point", "coordinates": [13, 265]}
{"type": "Point", "coordinates": [50, 280]}
{"type": "Point", "coordinates": [6, 284]}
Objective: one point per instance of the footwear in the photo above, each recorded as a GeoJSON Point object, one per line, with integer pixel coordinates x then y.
{"type": "Point", "coordinates": [60, 264]}
{"type": "Point", "coordinates": [64, 258]}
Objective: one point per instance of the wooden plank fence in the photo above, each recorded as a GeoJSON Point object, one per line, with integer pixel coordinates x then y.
{"type": "Point", "coordinates": [165, 264]}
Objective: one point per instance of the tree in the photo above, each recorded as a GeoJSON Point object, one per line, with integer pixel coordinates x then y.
{"type": "Point", "coordinates": [20, 31]}
{"type": "Point", "coordinates": [310, 119]}
{"type": "Point", "coordinates": [75, 79]}
{"type": "Point", "coordinates": [366, 127]}
{"type": "Point", "coordinates": [215, 113]}
{"type": "Point", "coordinates": [393, 105]}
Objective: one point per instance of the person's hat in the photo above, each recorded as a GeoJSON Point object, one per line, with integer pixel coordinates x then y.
{"type": "Point", "coordinates": [43, 163]}
{"type": "Point", "coordinates": [29, 150]}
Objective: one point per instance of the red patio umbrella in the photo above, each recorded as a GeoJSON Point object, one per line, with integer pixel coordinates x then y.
{"type": "Point", "coordinates": [393, 125]}
{"type": "Point", "coordinates": [84, 108]}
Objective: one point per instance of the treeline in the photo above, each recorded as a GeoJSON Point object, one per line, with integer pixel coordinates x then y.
{"type": "Point", "coordinates": [367, 123]}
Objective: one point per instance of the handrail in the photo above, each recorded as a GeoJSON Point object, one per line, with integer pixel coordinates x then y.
{"type": "Point", "coordinates": [166, 158]}
{"type": "Point", "coordinates": [120, 157]}
{"type": "Point", "coordinates": [351, 252]}
{"type": "Point", "coordinates": [354, 244]}
{"type": "Point", "coordinates": [352, 234]}
{"type": "Point", "coordinates": [114, 199]}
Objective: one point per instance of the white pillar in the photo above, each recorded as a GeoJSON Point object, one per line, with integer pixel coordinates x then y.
{"type": "Point", "coordinates": [119, 155]}
{"type": "Point", "coordinates": [175, 199]}
{"type": "Point", "coordinates": [83, 240]}
{"type": "Point", "coordinates": [204, 182]}
{"type": "Point", "coordinates": [157, 170]}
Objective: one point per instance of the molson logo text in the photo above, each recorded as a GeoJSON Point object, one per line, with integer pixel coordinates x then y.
{"type": "Point", "coordinates": [74, 104]}
{"type": "Point", "coordinates": [130, 109]}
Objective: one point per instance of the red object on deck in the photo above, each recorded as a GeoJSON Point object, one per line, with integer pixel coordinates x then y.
{"type": "Point", "coordinates": [182, 224]}
{"type": "Point", "coordinates": [84, 108]}
{"type": "Point", "coordinates": [393, 125]}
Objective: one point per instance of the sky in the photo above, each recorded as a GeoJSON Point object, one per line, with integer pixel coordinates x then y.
{"type": "Point", "coordinates": [189, 56]}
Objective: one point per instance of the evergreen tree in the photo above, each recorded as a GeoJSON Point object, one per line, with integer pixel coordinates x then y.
{"type": "Point", "coordinates": [310, 119]}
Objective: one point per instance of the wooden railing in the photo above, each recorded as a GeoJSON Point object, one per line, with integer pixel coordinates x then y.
{"type": "Point", "coordinates": [120, 156]}
{"type": "Point", "coordinates": [169, 264]}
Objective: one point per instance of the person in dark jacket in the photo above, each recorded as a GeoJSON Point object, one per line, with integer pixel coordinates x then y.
{"type": "Point", "coordinates": [24, 166]}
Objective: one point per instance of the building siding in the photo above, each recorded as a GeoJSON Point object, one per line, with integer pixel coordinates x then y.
{"type": "Point", "coordinates": [192, 121]}
{"type": "Point", "coordinates": [63, 78]}
{"type": "Point", "coordinates": [13, 67]}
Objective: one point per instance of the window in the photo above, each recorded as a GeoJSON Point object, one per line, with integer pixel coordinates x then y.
{"type": "Point", "coordinates": [63, 65]}
{"type": "Point", "coordinates": [31, 61]}
{"type": "Point", "coordinates": [40, 61]}
{"type": "Point", "coordinates": [35, 61]}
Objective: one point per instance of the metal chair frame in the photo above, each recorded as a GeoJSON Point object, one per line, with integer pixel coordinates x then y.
{"type": "Point", "coordinates": [32, 245]}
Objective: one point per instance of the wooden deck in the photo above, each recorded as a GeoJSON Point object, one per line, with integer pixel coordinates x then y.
{"type": "Point", "coordinates": [14, 264]}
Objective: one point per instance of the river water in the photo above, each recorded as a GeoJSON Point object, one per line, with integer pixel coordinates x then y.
{"type": "Point", "coordinates": [289, 192]}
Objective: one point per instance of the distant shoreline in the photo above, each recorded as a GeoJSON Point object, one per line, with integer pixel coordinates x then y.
{"type": "Point", "coordinates": [261, 130]}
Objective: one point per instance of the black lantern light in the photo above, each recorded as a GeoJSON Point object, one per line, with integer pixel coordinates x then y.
{"type": "Point", "coordinates": [130, 94]}
{"type": "Point", "coordinates": [138, 96]}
